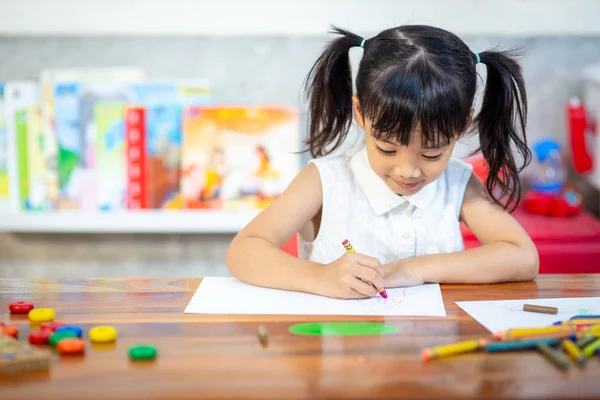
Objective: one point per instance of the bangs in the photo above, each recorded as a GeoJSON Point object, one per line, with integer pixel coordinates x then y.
{"type": "Point", "coordinates": [397, 102]}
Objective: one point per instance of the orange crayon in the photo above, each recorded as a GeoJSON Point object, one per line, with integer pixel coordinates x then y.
{"type": "Point", "coordinates": [348, 246]}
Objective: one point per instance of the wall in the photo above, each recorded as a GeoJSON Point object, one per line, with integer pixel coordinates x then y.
{"type": "Point", "coordinates": [261, 69]}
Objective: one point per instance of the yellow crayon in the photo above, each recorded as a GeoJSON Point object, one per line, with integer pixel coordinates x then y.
{"type": "Point", "coordinates": [532, 331]}
{"type": "Point", "coordinates": [544, 335]}
{"type": "Point", "coordinates": [579, 322]}
{"type": "Point", "coordinates": [591, 348]}
{"type": "Point", "coordinates": [573, 351]}
{"type": "Point", "coordinates": [348, 246]}
{"type": "Point", "coordinates": [453, 348]}
{"type": "Point", "coordinates": [592, 329]}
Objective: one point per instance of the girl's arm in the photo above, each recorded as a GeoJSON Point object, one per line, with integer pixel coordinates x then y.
{"type": "Point", "coordinates": [506, 254]}
{"type": "Point", "coordinates": [255, 254]}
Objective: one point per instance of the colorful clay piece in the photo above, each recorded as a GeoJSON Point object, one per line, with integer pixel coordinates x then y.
{"type": "Point", "coordinates": [73, 328]}
{"type": "Point", "coordinates": [2, 325]}
{"type": "Point", "coordinates": [70, 346]}
{"type": "Point", "coordinates": [56, 337]}
{"type": "Point", "coordinates": [52, 325]}
{"type": "Point", "coordinates": [40, 337]}
{"type": "Point", "coordinates": [142, 352]}
{"type": "Point", "coordinates": [11, 330]}
{"type": "Point", "coordinates": [41, 315]}
{"type": "Point", "coordinates": [103, 334]}
{"type": "Point", "coordinates": [20, 307]}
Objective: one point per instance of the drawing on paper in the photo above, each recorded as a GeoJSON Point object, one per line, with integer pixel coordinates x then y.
{"type": "Point", "coordinates": [498, 315]}
{"type": "Point", "coordinates": [242, 298]}
{"type": "Point", "coordinates": [570, 311]}
{"type": "Point", "coordinates": [378, 304]}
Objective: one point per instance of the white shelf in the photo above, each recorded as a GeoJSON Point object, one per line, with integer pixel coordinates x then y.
{"type": "Point", "coordinates": [294, 17]}
{"type": "Point", "coordinates": [160, 221]}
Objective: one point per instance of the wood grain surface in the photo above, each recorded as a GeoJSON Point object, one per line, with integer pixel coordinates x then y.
{"type": "Point", "coordinates": [218, 356]}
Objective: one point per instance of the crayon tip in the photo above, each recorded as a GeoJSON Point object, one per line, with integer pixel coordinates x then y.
{"type": "Point", "coordinates": [383, 294]}
{"type": "Point", "coordinates": [425, 354]}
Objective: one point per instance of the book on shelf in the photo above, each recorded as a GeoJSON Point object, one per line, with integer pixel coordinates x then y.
{"type": "Point", "coordinates": [104, 140]}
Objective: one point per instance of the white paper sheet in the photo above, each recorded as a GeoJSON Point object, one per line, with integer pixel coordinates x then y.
{"type": "Point", "coordinates": [231, 296]}
{"type": "Point", "coordinates": [500, 315]}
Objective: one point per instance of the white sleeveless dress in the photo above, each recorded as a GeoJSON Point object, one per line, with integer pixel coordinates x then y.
{"type": "Point", "coordinates": [359, 206]}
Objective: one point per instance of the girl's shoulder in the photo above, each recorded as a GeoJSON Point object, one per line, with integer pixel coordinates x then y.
{"type": "Point", "coordinates": [337, 160]}
{"type": "Point", "coordinates": [457, 170]}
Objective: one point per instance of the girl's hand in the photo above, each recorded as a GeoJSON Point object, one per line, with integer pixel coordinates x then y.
{"type": "Point", "coordinates": [352, 276]}
{"type": "Point", "coordinates": [402, 273]}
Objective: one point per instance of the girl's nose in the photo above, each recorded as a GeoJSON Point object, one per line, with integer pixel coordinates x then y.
{"type": "Point", "coordinates": [407, 168]}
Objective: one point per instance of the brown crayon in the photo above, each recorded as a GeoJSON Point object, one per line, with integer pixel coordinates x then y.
{"type": "Point", "coordinates": [540, 309]}
{"type": "Point", "coordinates": [556, 357]}
{"type": "Point", "coordinates": [263, 335]}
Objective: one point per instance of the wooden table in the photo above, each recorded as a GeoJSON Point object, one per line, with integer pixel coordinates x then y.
{"type": "Point", "coordinates": [220, 356]}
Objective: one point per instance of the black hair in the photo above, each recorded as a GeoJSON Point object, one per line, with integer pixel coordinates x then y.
{"type": "Point", "coordinates": [421, 74]}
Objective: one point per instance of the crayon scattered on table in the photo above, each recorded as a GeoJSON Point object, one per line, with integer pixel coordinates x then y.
{"type": "Point", "coordinates": [586, 317]}
{"type": "Point", "coordinates": [585, 340]}
{"type": "Point", "coordinates": [591, 348]}
{"type": "Point", "coordinates": [573, 351]}
{"type": "Point", "coordinates": [540, 309]}
{"type": "Point", "coordinates": [579, 322]}
{"type": "Point", "coordinates": [519, 345]}
{"type": "Point", "coordinates": [453, 348]}
{"type": "Point", "coordinates": [556, 357]}
{"type": "Point", "coordinates": [532, 331]}
{"type": "Point", "coordinates": [350, 249]}
{"type": "Point", "coordinates": [573, 334]}
{"type": "Point", "coordinates": [263, 335]}
{"type": "Point", "coordinates": [592, 329]}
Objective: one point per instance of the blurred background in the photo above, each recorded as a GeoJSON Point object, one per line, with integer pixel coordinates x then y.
{"type": "Point", "coordinates": [138, 136]}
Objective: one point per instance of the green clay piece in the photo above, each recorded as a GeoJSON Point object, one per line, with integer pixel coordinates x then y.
{"type": "Point", "coordinates": [58, 336]}
{"type": "Point", "coordinates": [342, 329]}
{"type": "Point", "coordinates": [142, 352]}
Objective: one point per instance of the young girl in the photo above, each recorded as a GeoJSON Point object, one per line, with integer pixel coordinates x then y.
{"type": "Point", "coordinates": [398, 197]}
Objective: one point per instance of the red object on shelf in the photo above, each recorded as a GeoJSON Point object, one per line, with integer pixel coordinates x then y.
{"type": "Point", "coordinates": [578, 125]}
{"type": "Point", "coordinates": [567, 204]}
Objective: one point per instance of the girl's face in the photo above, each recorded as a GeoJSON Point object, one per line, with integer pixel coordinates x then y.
{"type": "Point", "coordinates": [405, 169]}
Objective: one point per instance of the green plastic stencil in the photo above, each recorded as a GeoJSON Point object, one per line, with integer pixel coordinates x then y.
{"type": "Point", "coordinates": [342, 329]}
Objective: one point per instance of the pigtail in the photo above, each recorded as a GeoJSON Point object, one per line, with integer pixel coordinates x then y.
{"type": "Point", "coordinates": [501, 124]}
{"type": "Point", "coordinates": [329, 91]}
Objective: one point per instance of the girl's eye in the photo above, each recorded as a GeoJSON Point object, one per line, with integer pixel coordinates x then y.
{"type": "Point", "coordinates": [386, 152]}
{"type": "Point", "coordinates": [433, 158]}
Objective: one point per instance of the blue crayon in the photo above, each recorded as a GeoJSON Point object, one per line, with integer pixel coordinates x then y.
{"type": "Point", "coordinates": [586, 317]}
{"type": "Point", "coordinates": [519, 345]}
